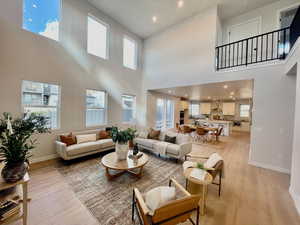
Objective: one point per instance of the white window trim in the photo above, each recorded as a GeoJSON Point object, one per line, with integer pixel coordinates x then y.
{"type": "Point", "coordinates": [43, 106]}
{"type": "Point", "coordinates": [133, 122]}
{"type": "Point", "coordinates": [107, 37]}
{"type": "Point", "coordinates": [105, 108]}
{"type": "Point", "coordinates": [241, 110]}
{"type": "Point", "coordinates": [135, 52]}
{"type": "Point", "coordinates": [59, 22]}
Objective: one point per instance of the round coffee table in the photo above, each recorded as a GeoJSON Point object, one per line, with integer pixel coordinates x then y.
{"type": "Point", "coordinates": [111, 162]}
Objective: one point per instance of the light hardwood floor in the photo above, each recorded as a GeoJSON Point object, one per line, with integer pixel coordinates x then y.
{"type": "Point", "coordinates": [250, 195]}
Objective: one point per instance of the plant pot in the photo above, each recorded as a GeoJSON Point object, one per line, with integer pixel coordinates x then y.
{"type": "Point", "coordinates": [13, 172]}
{"type": "Point", "coordinates": [122, 151]}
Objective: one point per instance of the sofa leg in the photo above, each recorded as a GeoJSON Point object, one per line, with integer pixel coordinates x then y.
{"type": "Point", "coordinates": [176, 160]}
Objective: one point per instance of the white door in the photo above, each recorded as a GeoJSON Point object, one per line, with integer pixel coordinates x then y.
{"type": "Point", "coordinates": [244, 30]}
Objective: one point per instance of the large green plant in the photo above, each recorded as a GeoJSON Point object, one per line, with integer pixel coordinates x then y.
{"type": "Point", "coordinates": [16, 141]}
{"type": "Point", "coordinates": [122, 136]}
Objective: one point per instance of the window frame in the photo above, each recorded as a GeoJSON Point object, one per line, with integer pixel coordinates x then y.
{"type": "Point", "coordinates": [164, 121]}
{"type": "Point", "coordinates": [105, 108]}
{"type": "Point", "coordinates": [135, 52]}
{"type": "Point", "coordinates": [107, 50]}
{"type": "Point", "coordinates": [191, 109]}
{"type": "Point", "coordinates": [59, 21]}
{"type": "Point", "coordinates": [240, 110]}
{"type": "Point", "coordinates": [58, 107]}
{"type": "Point", "coordinates": [134, 109]}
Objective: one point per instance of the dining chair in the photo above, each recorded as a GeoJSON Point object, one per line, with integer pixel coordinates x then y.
{"type": "Point", "coordinates": [201, 134]}
{"type": "Point", "coordinates": [217, 134]}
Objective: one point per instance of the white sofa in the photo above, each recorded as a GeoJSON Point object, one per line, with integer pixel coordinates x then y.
{"type": "Point", "coordinates": [182, 147]}
{"type": "Point", "coordinates": [83, 149]}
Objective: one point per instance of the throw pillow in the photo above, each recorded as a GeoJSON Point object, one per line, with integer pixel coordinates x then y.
{"type": "Point", "coordinates": [153, 134]}
{"type": "Point", "coordinates": [68, 139]}
{"type": "Point", "coordinates": [159, 196]}
{"type": "Point", "coordinates": [169, 139]}
{"type": "Point", "coordinates": [85, 138]}
{"type": "Point", "coordinates": [143, 134]}
{"type": "Point", "coordinates": [103, 135]}
{"type": "Point", "coordinates": [212, 160]}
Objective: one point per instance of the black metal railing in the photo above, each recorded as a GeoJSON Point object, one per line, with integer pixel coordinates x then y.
{"type": "Point", "coordinates": [261, 48]}
{"type": "Point", "coordinates": [295, 28]}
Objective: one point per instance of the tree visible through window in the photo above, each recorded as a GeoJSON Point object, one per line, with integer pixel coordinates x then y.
{"type": "Point", "coordinates": [42, 17]}
{"type": "Point", "coordinates": [244, 110]}
{"type": "Point", "coordinates": [95, 108]}
{"type": "Point", "coordinates": [42, 98]}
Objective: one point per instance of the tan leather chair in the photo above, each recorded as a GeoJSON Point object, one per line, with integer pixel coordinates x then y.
{"type": "Point", "coordinates": [177, 211]}
{"type": "Point", "coordinates": [217, 170]}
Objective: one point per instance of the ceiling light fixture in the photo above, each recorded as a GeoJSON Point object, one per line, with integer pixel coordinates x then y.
{"type": "Point", "coordinates": [209, 97]}
{"type": "Point", "coordinates": [225, 86]}
{"type": "Point", "coordinates": [169, 91]}
{"type": "Point", "coordinates": [232, 93]}
{"type": "Point", "coordinates": [154, 19]}
{"type": "Point", "coordinates": [180, 3]}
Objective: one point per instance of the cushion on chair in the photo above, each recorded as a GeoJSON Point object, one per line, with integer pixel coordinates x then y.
{"type": "Point", "coordinates": [159, 196]}
{"type": "Point", "coordinates": [212, 160]}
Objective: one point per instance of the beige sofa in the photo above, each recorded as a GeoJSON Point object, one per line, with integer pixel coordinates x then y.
{"type": "Point", "coordinates": [83, 149]}
{"type": "Point", "coordinates": [182, 147]}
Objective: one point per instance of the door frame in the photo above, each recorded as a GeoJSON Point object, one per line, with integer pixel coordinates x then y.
{"type": "Point", "coordinates": [259, 19]}
{"type": "Point", "coordinates": [295, 5]}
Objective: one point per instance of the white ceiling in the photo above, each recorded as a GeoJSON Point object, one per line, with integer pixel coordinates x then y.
{"type": "Point", "coordinates": [242, 89]}
{"type": "Point", "coordinates": [137, 15]}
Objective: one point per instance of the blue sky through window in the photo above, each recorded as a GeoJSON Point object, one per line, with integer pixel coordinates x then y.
{"type": "Point", "coordinates": [42, 17]}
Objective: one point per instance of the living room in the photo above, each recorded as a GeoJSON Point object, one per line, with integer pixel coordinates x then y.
{"type": "Point", "coordinates": [91, 66]}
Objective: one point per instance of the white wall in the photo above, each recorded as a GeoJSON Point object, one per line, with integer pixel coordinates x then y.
{"type": "Point", "coordinates": [26, 56]}
{"type": "Point", "coordinates": [184, 55]}
{"type": "Point", "coordinates": [268, 14]}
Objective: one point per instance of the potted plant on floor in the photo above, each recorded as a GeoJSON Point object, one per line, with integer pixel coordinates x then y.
{"type": "Point", "coordinates": [16, 143]}
{"type": "Point", "coordinates": [121, 138]}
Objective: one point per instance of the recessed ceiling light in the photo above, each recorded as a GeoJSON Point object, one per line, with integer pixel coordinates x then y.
{"type": "Point", "coordinates": [180, 3]}
{"type": "Point", "coordinates": [169, 91]}
{"type": "Point", "coordinates": [225, 86]}
{"type": "Point", "coordinates": [154, 19]}
{"type": "Point", "coordinates": [209, 97]}
{"type": "Point", "coordinates": [232, 93]}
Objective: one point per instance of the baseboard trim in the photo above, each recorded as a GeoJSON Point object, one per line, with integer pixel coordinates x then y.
{"type": "Point", "coordinates": [270, 167]}
{"type": "Point", "coordinates": [43, 158]}
{"type": "Point", "coordinates": [296, 199]}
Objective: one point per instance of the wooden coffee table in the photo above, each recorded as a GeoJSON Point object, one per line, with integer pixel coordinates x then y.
{"type": "Point", "coordinates": [134, 167]}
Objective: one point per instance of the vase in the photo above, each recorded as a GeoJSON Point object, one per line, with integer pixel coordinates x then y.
{"type": "Point", "coordinates": [13, 172]}
{"type": "Point", "coordinates": [122, 150]}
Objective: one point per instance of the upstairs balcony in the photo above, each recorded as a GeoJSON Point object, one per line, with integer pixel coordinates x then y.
{"type": "Point", "coordinates": [274, 45]}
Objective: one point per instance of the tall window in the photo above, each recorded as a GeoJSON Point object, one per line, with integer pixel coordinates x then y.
{"type": "Point", "coordinates": [97, 38]}
{"type": "Point", "coordinates": [194, 109]}
{"type": "Point", "coordinates": [164, 113]}
{"type": "Point", "coordinates": [42, 17]}
{"type": "Point", "coordinates": [244, 110]}
{"type": "Point", "coordinates": [43, 99]}
{"type": "Point", "coordinates": [95, 108]}
{"type": "Point", "coordinates": [129, 53]}
{"type": "Point", "coordinates": [128, 105]}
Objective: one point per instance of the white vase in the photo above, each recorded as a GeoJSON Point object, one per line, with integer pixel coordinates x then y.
{"type": "Point", "coordinates": [122, 151]}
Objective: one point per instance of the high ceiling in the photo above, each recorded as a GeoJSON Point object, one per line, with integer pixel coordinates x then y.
{"type": "Point", "coordinates": [242, 89]}
{"type": "Point", "coordinates": [137, 15]}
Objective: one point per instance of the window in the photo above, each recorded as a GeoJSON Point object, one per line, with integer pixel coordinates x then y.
{"type": "Point", "coordinates": [42, 17]}
{"type": "Point", "coordinates": [194, 109]}
{"type": "Point", "coordinates": [95, 108]}
{"type": "Point", "coordinates": [97, 38]}
{"type": "Point", "coordinates": [42, 98]}
{"type": "Point", "coordinates": [129, 53]}
{"type": "Point", "coordinates": [128, 105]}
{"type": "Point", "coordinates": [164, 113]}
{"type": "Point", "coordinates": [244, 110]}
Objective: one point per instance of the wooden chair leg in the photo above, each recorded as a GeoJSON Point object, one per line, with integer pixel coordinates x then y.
{"type": "Point", "coordinates": [197, 220]}
{"type": "Point", "coordinates": [220, 183]}
{"type": "Point", "coordinates": [133, 205]}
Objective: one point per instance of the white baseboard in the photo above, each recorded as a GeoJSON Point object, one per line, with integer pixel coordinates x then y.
{"type": "Point", "coordinates": [296, 199]}
{"type": "Point", "coordinates": [270, 167]}
{"type": "Point", "coordinates": [43, 158]}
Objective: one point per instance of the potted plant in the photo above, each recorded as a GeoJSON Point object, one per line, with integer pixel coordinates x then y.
{"type": "Point", "coordinates": [16, 143]}
{"type": "Point", "coordinates": [121, 138]}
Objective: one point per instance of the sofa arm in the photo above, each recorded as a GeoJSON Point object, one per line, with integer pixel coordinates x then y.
{"type": "Point", "coordinates": [61, 149]}
{"type": "Point", "coordinates": [185, 149]}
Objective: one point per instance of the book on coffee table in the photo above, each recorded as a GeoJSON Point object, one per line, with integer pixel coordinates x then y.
{"type": "Point", "coordinates": [198, 174]}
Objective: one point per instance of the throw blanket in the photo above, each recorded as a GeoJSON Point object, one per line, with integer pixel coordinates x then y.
{"type": "Point", "coordinates": [160, 147]}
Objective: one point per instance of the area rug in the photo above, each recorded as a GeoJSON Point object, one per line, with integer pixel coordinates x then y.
{"type": "Point", "coordinates": [110, 201]}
